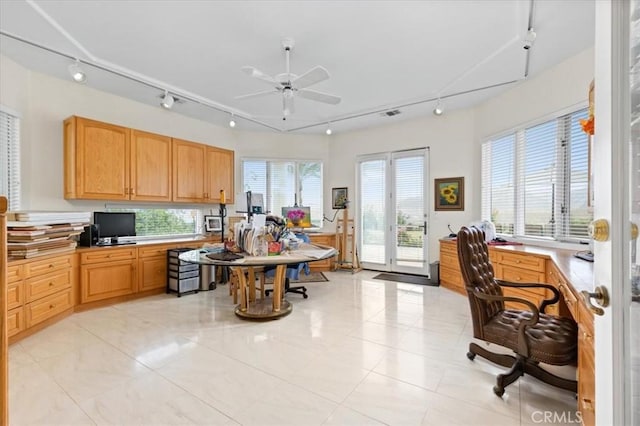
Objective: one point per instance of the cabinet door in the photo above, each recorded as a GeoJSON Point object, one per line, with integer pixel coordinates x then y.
{"type": "Point", "coordinates": [188, 171]}
{"type": "Point", "coordinates": [105, 280]}
{"type": "Point", "coordinates": [150, 167]}
{"type": "Point", "coordinates": [153, 273]}
{"type": "Point", "coordinates": [220, 174]}
{"type": "Point", "coordinates": [101, 169]}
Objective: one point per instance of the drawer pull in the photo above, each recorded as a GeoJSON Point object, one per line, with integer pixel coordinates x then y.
{"type": "Point", "coordinates": [52, 306]}
{"type": "Point", "coordinates": [51, 265]}
{"type": "Point", "coordinates": [518, 261]}
{"type": "Point", "coordinates": [50, 283]}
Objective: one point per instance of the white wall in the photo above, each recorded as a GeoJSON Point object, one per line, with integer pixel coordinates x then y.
{"type": "Point", "coordinates": [454, 138]}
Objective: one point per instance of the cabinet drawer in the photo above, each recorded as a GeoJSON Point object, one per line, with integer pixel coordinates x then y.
{"type": "Point", "coordinates": [524, 261]}
{"type": "Point", "coordinates": [48, 307]}
{"type": "Point", "coordinates": [108, 255]}
{"type": "Point", "coordinates": [517, 275]}
{"type": "Point", "coordinates": [449, 261]}
{"type": "Point", "coordinates": [449, 248]}
{"type": "Point", "coordinates": [14, 273]}
{"type": "Point", "coordinates": [15, 321]}
{"type": "Point", "coordinates": [15, 295]}
{"type": "Point", "coordinates": [532, 297]}
{"type": "Point", "coordinates": [569, 299]}
{"type": "Point", "coordinates": [38, 287]}
{"type": "Point", "coordinates": [46, 266]}
{"type": "Point", "coordinates": [451, 276]}
{"type": "Point", "coordinates": [155, 250]}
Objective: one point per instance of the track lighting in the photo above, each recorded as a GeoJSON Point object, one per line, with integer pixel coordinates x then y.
{"type": "Point", "coordinates": [438, 109]}
{"type": "Point", "coordinates": [328, 131]}
{"type": "Point", "coordinates": [232, 122]}
{"type": "Point", "coordinates": [77, 73]}
{"type": "Point", "coordinates": [167, 100]}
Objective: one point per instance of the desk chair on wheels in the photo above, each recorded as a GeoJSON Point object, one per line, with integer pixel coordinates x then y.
{"type": "Point", "coordinates": [533, 336]}
{"type": "Point", "coordinates": [293, 273]}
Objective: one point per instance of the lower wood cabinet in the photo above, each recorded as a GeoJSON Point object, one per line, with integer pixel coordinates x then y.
{"type": "Point", "coordinates": [48, 307]}
{"type": "Point", "coordinates": [152, 267]}
{"type": "Point", "coordinates": [586, 367]}
{"type": "Point", "coordinates": [108, 273]}
{"type": "Point", "coordinates": [328, 239]}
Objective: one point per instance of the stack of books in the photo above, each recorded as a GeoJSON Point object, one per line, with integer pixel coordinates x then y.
{"type": "Point", "coordinates": [31, 234]}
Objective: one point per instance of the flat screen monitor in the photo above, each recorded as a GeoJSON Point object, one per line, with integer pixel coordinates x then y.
{"type": "Point", "coordinates": [115, 224]}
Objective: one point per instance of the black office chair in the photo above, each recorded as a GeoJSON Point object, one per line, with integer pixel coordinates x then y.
{"type": "Point", "coordinates": [293, 273]}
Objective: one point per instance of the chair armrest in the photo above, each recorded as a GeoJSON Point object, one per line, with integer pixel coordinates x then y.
{"type": "Point", "coordinates": [523, 347]}
{"type": "Point", "coordinates": [545, 302]}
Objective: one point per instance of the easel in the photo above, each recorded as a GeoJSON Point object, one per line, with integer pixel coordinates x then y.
{"type": "Point", "coordinates": [346, 244]}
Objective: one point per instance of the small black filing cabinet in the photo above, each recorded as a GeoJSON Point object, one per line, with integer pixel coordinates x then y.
{"type": "Point", "coordinates": [182, 277]}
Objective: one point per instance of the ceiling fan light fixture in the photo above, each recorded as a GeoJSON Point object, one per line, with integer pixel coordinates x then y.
{"type": "Point", "coordinates": [78, 75]}
{"type": "Point", "coordinates": [167, 100]}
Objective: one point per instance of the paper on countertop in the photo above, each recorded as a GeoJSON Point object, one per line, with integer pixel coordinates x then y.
{"type": "Point", "coordinates": [259, 221]}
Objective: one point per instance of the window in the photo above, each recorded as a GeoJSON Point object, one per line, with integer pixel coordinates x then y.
{"type": "Point", "coordinates": [535, 180]}
{"type": "Point", "coordinates": [161, 222]}
{"type": "Point", "coordinates": [285, 183]}
{"type": "Point", "coordinates": [10, 158]}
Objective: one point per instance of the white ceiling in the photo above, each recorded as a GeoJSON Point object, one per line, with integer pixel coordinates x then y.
{"type": "Point", "coordinates": [381, 55]}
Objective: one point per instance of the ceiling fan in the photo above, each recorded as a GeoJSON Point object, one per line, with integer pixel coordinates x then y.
{"type": "Point", "coordinates": [291, 85]}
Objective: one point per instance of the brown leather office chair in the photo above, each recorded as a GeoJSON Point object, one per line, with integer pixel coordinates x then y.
{"type": "Point", "coordinates": [534, 336]}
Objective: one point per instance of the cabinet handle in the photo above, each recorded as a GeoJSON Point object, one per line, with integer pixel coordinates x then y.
{"type": "Point", "coordinates": [205, 195]}
{"type": "Point", "coordinates": [52, 306]}
{"type": "Point", "coordinates": [586, 336]}
{"type": "Point", "coordinates": [131, 191]}
{"type": "Point", "coordinates": [518, 261]}
{"type": "Point", "coordinates": [587, 404]}
{"type": "Point", "coordinates": [51, 265]}
{"type": "Point", "coordinates": [50, 283]}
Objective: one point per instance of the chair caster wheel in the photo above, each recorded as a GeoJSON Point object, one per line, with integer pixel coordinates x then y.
{"type": "Point", "coordinates": [304, 296]}
{"type": "Point", "coordinates": [471, 355]}
{"type": "Point", "coordinates": [498, 391]}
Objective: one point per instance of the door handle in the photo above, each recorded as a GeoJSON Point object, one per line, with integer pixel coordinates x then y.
{"type": "Point", "coordinates": [600, 295]}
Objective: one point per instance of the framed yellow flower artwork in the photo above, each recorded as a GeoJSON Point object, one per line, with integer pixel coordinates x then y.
{"type": "Point", "coordinates": [449, 194]}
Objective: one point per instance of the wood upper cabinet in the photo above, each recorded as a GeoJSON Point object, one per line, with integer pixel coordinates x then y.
{"type": "Point", "coordinates": [108, 162]}
{"type": "Point", "coordinates": [200, 172]}
{"type": "Point", "coordinates": [220, 173]}
{"type": "Point", "coordinates": [150, 167]}
{"type": "Point", "coordinates": [189, 159]}
{"type": "Point", "coordinates": [96, 160]}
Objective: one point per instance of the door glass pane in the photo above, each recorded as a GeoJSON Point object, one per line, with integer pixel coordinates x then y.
{"type": "Point", "coordinates": [409, 206]}
{"type": "Point", "coordinates": [372, 192]}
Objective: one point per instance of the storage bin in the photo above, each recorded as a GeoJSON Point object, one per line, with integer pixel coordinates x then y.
{"type": "Point", "coordinates": [182, 277]}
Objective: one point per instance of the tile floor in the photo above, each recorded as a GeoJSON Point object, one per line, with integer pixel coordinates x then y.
{"type": "Point", "coordinates": [359, 351]}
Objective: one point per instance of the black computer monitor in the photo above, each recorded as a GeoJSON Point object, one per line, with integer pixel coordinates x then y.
{"type": "Point", "coordinates": [115, 224]}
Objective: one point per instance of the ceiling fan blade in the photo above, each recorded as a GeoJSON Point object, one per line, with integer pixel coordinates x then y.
{"type": "Point", "coordinates": [314, 95]}
{"type": "Point", "coordinates": [256, 73]}
{"type": "Point", "coordinates": [257, 94]}
{"type": "Point", "coordinates": [313, 76]}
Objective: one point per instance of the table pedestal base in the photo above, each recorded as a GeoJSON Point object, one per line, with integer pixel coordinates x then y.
{"type": "Point", "coordinates": [262, 309]}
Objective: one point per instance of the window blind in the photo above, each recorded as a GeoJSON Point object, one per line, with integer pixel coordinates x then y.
{"type": "Point", "coordinates": [372, 189]}
{"type": "Point", "coordinates": [285, 182]}
{"type": "Point", "coordinates": [155, 222]}
{"type": "Point", "coordinates": [10, 159]}
{"type": "Point", "coordinates": [535, 181]}
{"type": "Point", "coordinates": [409, 200]}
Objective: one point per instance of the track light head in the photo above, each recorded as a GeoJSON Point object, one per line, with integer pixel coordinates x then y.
{"type": "Point", "coordinates": [438, 110]}
{"type": "Point", "coordinates": [77, 73]}
{"type": "Point", "coordinates": [232, 123]}
{"type": "Point", "coordinates": [328, 131]}
{"type": "Point", "coordinates": [167, 101]}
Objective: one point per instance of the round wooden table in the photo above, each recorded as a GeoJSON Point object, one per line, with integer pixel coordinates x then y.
{"type": "Point", "coordinates": [268, 308]}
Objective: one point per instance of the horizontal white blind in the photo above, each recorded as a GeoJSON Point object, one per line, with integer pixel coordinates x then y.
{"type": "Point", "coordinates": [498, 183]}
{"type": "Point", "coordinates": [535, 181]}
{"type": "Point", "coordinates": [286, 182]}
{"type": "Point", "coordinates": [538, 168]}
{"type": "Point", "coordinates": [10, 159]}
{"type": "Point", "coordinates": [373, 199]}
{"type": "Point", "coordinates": [580, 212]}
{"type": "Point", "coordinates": [409, 197]}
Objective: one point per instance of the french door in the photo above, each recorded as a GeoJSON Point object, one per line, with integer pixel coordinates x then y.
{"type": "Point", "coordinates": [392, 211]}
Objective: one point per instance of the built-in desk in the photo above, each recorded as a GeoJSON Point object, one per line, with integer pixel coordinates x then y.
{"type": "Point", "coordinates": [559, 267]}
